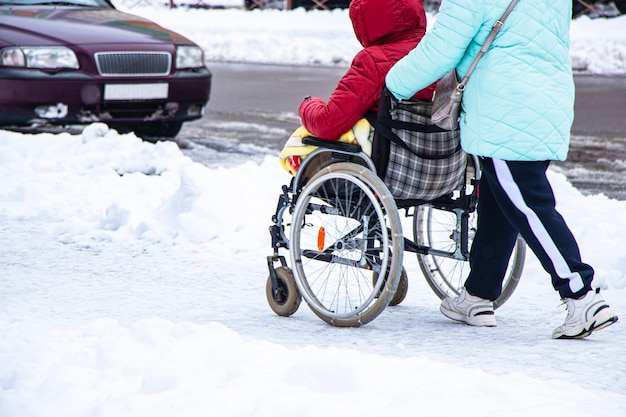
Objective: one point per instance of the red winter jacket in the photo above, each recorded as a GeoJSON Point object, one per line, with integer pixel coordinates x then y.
{"type": "Point", "coordinates": [388, 30]}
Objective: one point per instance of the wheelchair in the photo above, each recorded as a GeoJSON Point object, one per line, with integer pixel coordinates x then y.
{"type": "Point", "coordinates": [343, 232]}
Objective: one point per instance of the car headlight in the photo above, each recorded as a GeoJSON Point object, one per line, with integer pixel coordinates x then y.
{"type": "Point", "coordinates": [42, 57]}
{"type": "Point", "coordinates": [189, 57]}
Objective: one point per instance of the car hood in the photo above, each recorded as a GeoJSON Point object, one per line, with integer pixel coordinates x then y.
{"type": "Point", "coordinates": [79, 26]}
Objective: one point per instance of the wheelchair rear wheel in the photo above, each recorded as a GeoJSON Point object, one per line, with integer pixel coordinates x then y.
{"type": "Point", "coordinates": [345, 229]}
{"type": "Point", "coordinates": [446, 275]}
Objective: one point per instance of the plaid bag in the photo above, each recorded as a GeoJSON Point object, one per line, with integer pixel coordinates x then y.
{"type": "Point", "coordinates": [415, 158]}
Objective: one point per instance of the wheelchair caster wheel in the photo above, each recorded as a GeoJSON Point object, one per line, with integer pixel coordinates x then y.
{"type": "Point", "coordinates": [287, 298]}
{"type": "Point", "coordinates": [403, 288]}
{"type": "Point", "coordinates": [401, 291]}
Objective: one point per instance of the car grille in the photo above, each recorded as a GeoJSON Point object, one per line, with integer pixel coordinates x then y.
{"type": "Point", "coordinates": [135, 64]}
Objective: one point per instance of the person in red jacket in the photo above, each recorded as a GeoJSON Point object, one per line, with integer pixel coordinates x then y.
{"type": "Point", "coordinates": [388, 30]}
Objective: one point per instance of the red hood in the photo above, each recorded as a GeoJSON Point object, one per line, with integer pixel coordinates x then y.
{"type": "Point", "coordinates": [389, 20]}
{"type": "Point", "coordinates": [80, 26]}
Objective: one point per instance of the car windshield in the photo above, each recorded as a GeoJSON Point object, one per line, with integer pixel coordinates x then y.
{"type": "Point", "coordinates": [86, 3]}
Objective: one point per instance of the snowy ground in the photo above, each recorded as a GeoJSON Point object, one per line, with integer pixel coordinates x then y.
{"type": "Point", "coordinates": [132, 283]}
{"type": "Point", "coordinates": [326, 38]}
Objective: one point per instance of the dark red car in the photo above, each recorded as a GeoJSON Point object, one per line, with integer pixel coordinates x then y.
{"type": "Point", "coordinates": [82, 61]}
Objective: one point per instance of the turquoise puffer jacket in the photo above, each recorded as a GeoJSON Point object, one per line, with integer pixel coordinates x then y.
{"type": "Point", "coordinates": [519, 102]}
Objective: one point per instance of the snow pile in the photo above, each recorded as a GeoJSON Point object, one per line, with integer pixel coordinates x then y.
{"type": "Point", "coordinates": [133, 283]}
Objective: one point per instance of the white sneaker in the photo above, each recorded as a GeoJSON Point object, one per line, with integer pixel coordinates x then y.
{"type": "Point", "coordinates": [469, 309]}
{"type": "Point", "coordinates": [584, 315]}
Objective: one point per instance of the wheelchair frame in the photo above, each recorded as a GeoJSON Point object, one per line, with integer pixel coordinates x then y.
{"type": "Point", "coordinates": [351, 272]}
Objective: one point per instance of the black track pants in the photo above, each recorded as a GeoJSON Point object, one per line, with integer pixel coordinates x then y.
{"type": "Point", "coordinates": [516, 197]}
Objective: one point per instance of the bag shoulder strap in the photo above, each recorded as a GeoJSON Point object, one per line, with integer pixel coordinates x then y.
{"type": "Point", "coordinates": [494, 31]}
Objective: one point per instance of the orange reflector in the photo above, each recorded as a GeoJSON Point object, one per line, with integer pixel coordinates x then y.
{"type": "Point", "coordinates": [321, 237]}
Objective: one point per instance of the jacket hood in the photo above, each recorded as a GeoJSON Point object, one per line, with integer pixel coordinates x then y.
{"type": "Point", "coordinates": [376, 22]}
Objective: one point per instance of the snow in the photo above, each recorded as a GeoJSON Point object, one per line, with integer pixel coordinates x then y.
{"type": "Point", "coordinates": [132, 280]}
{"type": "Point", "coordinates": [326, 38]}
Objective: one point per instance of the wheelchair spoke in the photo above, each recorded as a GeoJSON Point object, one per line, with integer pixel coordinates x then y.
{"type": "Point", "coordinates": [346, 236]}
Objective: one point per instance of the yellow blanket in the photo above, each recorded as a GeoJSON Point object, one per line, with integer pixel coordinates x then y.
{"type": "Point", "coordinates": [294, 151]}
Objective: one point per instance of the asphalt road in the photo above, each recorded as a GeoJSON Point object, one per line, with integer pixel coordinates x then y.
{"type": "Point", "coordinates": [253, 109]}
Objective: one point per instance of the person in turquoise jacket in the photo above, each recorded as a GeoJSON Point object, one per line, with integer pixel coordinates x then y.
{"type": "Point", "coordinates": [517, 112]}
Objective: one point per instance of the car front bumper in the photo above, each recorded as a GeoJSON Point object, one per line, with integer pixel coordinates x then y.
{"type": "Point", "coordinates": [33, 97]}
